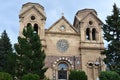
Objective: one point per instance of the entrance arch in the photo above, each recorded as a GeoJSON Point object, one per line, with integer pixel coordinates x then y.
{"type": "Point", "coordinates": [62, 71]}
{"type": "Point", "coordinates": [61, 64]}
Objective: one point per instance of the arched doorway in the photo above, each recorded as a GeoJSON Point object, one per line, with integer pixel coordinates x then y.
{"type": "Point", "coordinates": [62, 71]}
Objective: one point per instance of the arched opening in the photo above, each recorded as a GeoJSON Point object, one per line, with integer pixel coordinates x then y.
{"type": "Point", "coordinates": [93, 34]}
{"type": "Point", "coordinates": [29, 24]}
{"type": "Point", "coordinates": [88, 34]}
{"type": "Point", "coordinates": [35, 28]}
{"type": "Point", "coordinates": [62, 65]}
{"type": "Point", "coordinates": [62, 70]}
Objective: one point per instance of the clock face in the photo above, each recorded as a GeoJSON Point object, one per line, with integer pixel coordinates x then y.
{"type": "Point", "coordinates": [62, 45]}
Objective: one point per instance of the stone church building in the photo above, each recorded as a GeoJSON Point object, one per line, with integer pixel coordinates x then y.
{"type": "Point", "coordinates": [67, 46]}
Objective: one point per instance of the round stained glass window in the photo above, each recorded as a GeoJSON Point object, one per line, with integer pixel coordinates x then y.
{"type": "Point", "coordinates": [62, 45]}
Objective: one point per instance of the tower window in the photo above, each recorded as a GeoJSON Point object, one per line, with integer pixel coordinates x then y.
{"type": "Point", "coordinates": [36, 28]}
{"type": "Point", "coordinates": [29, 24]}
{"type": "Point", "coordinates": [88, 34]}
{"type": "Point", "coordinates": [90, 22]}
{"type": "Point", "coordinates": [93, 34]}
{"type": "Point", "coordinates": [32, 17]}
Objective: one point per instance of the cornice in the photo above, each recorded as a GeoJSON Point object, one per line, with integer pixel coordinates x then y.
{"type": "Point", "coordinates": [90, 42]}
{"type": "Point", "coordinates": [48, 32]}
{"type": "Point", "coordinates": [92, 48]}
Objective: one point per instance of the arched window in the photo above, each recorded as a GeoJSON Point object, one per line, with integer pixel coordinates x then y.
{"type": "Point", "coordinates": [63, 66]}
{"type": "Point", "coordinates": [93, 34]}
{"type": "Point", "coordinates": [29, 24]}
{"type": "Point", "coordinates": [88, 34]}
{"type": "Point", "coordinates": [36, 28]}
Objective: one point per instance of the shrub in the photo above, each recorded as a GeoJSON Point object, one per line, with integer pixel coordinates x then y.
{"type": "Point", "coordinates": [77, 75]}
{"type": "Point", "coordinates": [31, 76]}
{"type": "Point", "coordinates": [5, 76]}
{"type": "Point", "coordinates": [109, 75]}
{"type": "Point", "coordinates": [46, 78]}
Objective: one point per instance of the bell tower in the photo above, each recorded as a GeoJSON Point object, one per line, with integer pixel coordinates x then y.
{"type": "Point", "coordinates": [33, 14]}
{"type": "Point", "coordinates": [89, 26]}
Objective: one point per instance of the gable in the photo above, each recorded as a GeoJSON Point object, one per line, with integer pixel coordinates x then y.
{"type": "Point", "coordinates": [31, 10]}
{"type": "Point", "coordinates": [62, 26]}
{"type": "Point", "coordinates": [91, 17]}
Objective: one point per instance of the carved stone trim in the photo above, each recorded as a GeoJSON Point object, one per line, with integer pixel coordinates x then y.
{"type": "Point", "coordinates": [62, 33]}
{"type": "Point", "coordinates": [93, 48]}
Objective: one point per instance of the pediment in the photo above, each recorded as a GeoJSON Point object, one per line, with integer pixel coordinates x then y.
{"type": "Point", "coordinates": [62, 26]}
{"type": "Point", "coordinates": [91, 16]}
{"type": "Point", "coordinates": [31, 10]}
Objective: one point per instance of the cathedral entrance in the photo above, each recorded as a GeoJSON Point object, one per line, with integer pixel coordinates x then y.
{"type": "Point", "coordinates": [62, 71]}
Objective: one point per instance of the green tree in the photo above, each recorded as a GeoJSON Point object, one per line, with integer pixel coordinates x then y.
{"type": "Point", "coordinates": [2, 56]}
{"type": "Point", "coordinates": [112, 36]}
{"type": "Point", "coordinates": [5, 76]}
{"type": "Point", "coordinates": [109, 75]}
{"type": "Point", "coordinates": [31, 56]}
{"type": "Point", "coordinates": [11, 64]}
{"type": "Point", "coordinates": [7, 58]}
{"type": "Point", "coordinates": [6, 43]}
{"type": "Point", "coordinates": [77, 75]}
{"type": "Point", "coordinates": [30, 76]}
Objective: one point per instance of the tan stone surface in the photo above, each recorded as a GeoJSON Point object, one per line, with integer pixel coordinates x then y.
{"type": "Point", "coordinates": [84, 51]}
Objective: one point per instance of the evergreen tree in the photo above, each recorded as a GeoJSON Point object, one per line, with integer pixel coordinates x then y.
{"type": "Point", "coordinates": [112, 35]}
{"type": "Point", "coordinates": [7, 58]}
{"type": "Point", "coordinates": [2, 56]}
{"type": "Point", "coordinates": [6, 43]}
{"type": "Point", "coordinates": [5, 49]}
{"type": "Point", "coordinates": [30, 57]}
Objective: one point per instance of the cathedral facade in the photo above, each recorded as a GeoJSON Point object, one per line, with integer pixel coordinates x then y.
{"type": "Point", "coordinates": [67, 46]}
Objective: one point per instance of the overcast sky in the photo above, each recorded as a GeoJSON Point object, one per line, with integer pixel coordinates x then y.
{"type": "Point", "coordinates": [9, 11]}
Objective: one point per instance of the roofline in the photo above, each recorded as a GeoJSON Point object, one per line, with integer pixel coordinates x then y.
{"type": "Point", "coordinates": [94, 15]}
{"type": "Point", "coordinates": [31, 8]}
{"type": "Point", "coordinates": [86, 9]}
{"type": "Point", "coordinates": [33, 4]}
{"type": "Point", "coordinates": [59, 20]}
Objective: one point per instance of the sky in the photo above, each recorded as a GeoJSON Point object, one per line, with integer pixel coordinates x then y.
{"type": "Point", "coordinates": [10, 9]}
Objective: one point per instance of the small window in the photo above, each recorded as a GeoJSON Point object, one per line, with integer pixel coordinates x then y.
{"type": "Point", "coordinates": [90, 22]}
{"type": "Point", "coordinates": [32, 17]}
{"type": "Point", "coordinates": [90, 64]}
{"type": "Point", "coordinates": [88, 34]}
{"type": "Point", "coordinates": [97, 63]}
{"type": "Point", "coordinates": [62, 28]}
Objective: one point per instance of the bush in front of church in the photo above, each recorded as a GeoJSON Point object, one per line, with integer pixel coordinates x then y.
{"type": "Point", "coordinates": [109, 75]}
{"type": "Point", "coordinates": [77, 75]}
{"type": "Point", "coordinates": [5, 76]}
{"type": "Point", "coordinates": [31, 76]}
